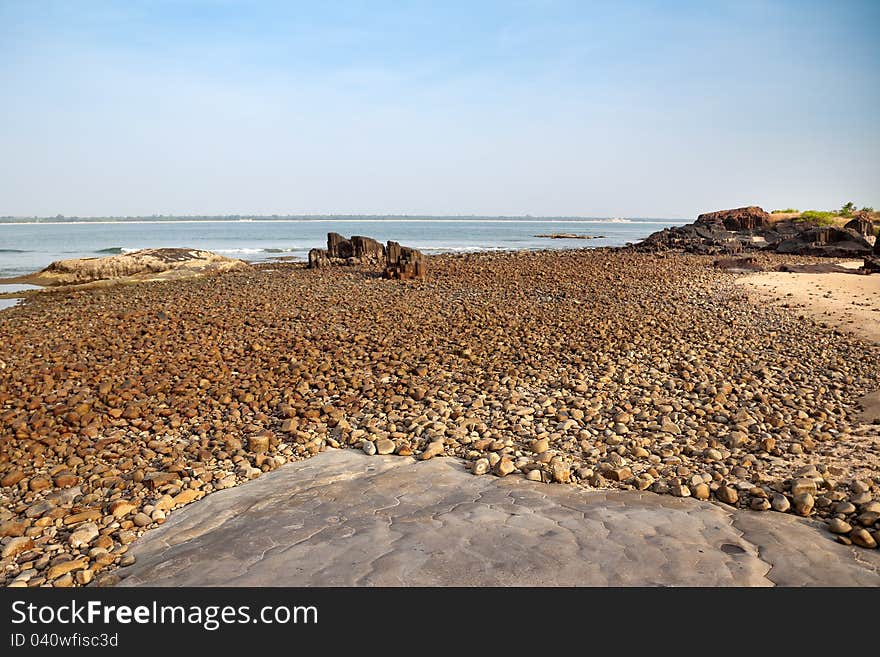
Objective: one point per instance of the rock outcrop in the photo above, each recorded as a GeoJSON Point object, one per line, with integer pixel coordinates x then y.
{"type": "Point", "coordinates": [862, 224]}
{"type": "Point", "coordinates": [404, 263]}
{"type": "Point", "coordinates": [357, 250]}
{"type": "Point", "coordinates": [732, 232]}
{"type": "Point", "coordinates": [400, 262]}
{"type": "Point", "coordinates": [138, 266]}
{"type": "Point", "coordinates": [827, 241]}
{"type": "Point", "coordinates": [738, 219]}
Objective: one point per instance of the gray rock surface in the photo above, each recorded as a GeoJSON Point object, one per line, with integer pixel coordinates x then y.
{"type": "Point", "coordinates": [346, 519]}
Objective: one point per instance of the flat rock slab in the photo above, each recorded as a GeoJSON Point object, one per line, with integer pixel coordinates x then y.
{"type": "Point", "coordinates": [346, 519]}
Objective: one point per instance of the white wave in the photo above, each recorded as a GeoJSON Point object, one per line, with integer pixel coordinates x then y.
{"type": "Point", "coordinates": [242, 251]}
{"type": "Point", "coordinates": [462, 220]}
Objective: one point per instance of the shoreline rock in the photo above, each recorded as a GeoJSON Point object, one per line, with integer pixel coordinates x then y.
{"type": "Point", "coordinates": [751, 229]}
{"type": "Point", "coordinates": [137, 266]}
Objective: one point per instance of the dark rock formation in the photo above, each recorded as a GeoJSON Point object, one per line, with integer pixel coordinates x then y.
{"type": "Point", "coordinates": [738, 219]}
{"type": "Point", "coordinates": [826, 241]}
{"type": "Point", "coordinates": [338, 246]}
{"type": "Point", "coordinates": [732, 232]}
{"type": "Point", "coordinates": [367, 249]}
{"type": "Point", "coordinates": [861, 223]}
{"type": "Point", "coordinates": [403, 263]}
{"type": "Point", "coordinates": [318, 258]}
{"type": "Point", "coordinates": [357, 250]}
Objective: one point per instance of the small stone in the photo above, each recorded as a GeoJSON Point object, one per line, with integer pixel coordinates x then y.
{"type": "Point", "coordinates": [11, 478]}
{"type": "Point", "coordinates": [534, 475]}
{"type": "Point", "coordinates": [737, 439]}
{"type": "Point", "coordinates": [83, 577]}
{"type": "Point", "coordinates": [540, 446]}
{"type": "Point", "coordinates": [127, 559]}
{"type": "Point", "coordinates": [17, 546]}
{"type": "Point", "coordinates": [862, 538]}
{"type": "Point", "coordinates": [838, 526]}
{"type": "Point", "coordinates": [434, 449]}
{"type": "Point", "coordinates": [803, 504]}
{"type": "Point", "coordinates": [618, 474]}
{"type": "Point", "coordinates": [39, 483]}
{"type": "Point", "coordinates": [870, 507]}
{"type": "Point", "coordinates": [142, 519]}
{"type": "Point", "coordinates": [121, 508]}
{"type": "Point", "coordinates": [385, 446]}
{"type": "Point", "coordinates": [759, 504]}
{"type": "Point", "coordinates": [369, 447]}
{"type": "Point", "coordinates": [481, 466]}
{"type": "Point", "coordinates": [845, 508]}
{"type": "Point", "coordinates": [83, 516]}
{"type": "Point", "coordinates": [561, 472]}
{"type": "Point", "coordinates": [780, 503]}
{"type": "Point", "coordinates": [84, 534]}
{"type": "Point", "coordinates": [13, 527]}
{"type": "Point", "coordinates": [185, 497]}
{"type": "Point", "coordinates": [860, 487]}
{"type": "Point", "coordinates": [680, 491]}
{"type": "Point", "coordinates": [65, 480]}
{"type": "Point", "coordinates": [258, 443]}
{"type": "Point", "coordinates": [727, 494]}
{"type": "Point", "coordinates": [504, 467]}
{"type": "Point", "coordinates": [66, 567]}
{"type": "Point", "coordinates": [801, 486]}
{"type": "Point", "coordinates": [65, 581]}
{"type": "Point", "coordinates": [700, 491]}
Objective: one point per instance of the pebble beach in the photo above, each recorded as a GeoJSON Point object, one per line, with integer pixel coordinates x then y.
{"type": "Point", "coordinates": [602, 368]}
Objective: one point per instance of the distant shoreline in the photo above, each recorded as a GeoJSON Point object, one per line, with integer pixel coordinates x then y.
{"type": "Point", "coordinates": [11, 220]}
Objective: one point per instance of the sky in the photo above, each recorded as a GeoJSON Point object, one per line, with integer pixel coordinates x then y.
{"type": "Point", "coordinates": [628, 109]}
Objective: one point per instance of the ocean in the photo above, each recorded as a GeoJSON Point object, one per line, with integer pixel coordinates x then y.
{"type": "Point", "coordinates": [26, 247]}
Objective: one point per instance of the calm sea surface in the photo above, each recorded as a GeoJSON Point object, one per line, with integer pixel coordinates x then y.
{"type": "Point", "coordinates": [28, 247]}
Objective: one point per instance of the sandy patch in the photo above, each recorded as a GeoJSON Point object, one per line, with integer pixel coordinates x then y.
{"type": "Point", "coordinates": [850, 302]}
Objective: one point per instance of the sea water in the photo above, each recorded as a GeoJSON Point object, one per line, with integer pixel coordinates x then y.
{"type": "Point", "coordinates": [27, 247]}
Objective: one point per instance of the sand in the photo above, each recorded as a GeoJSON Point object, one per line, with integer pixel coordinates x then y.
{"type": "Point", "coordinates": [849, 302]}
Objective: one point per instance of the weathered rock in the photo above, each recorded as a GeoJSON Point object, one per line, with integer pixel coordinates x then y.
{"type": "Point", "coordinates": [83, 535]}
{"type": "Point", "coordinates": [480, 467]}
{"type": "Point", "coordinates": [258, 443]}
{"type": "Point", "coordinates": [16, 546]}
{"type": "Point", "coordinates": [385, 446]}
{"type": "Point", "coordinates": [318, 258]}
{"type": "Point", "coordinates": [738, 219]}
{"type": "Point", "coordinates": [838, 526]}
{"type": "Point", "coordinates": [803, 504]}
{"type": "Point", "coordinates": [66, 567]}
{"type": "Point", "coordinates": [404, 263]}
{"type": "Point", "coordinates": [504, 467]}
{"type": "Point", "coordinates": [727, 494]}
{"type": "Point", "coordinates": [862, 538]}
{"type": "Point", "coordinates": [828, 241]}
{"type": "Point", "coordinates": [143, 265]}
{"type": "Point", "coordinates": [780, 503]}
{"type": "Point", "coordinates": [861, 224]}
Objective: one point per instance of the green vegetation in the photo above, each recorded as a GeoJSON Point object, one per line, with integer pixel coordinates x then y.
{"type": "Point", "coordinates": [847, 209]}
{"type": "Point", "coordinates": [786, 211]}
{"type": "Point", "coordinates": [819, 217]}
{"type": "Point", "coordinates": [868, 208]}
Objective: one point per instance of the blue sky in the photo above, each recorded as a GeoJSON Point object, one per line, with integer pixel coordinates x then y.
{"type": "Point", "coordinates": [661, 109]}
